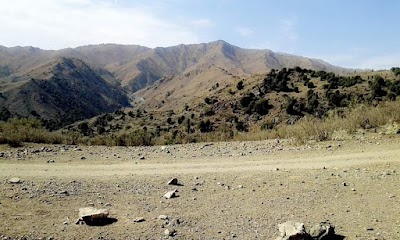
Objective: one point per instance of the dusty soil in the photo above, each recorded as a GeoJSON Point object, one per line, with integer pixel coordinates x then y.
{"type": "Point", "coordinates": [238, 190]}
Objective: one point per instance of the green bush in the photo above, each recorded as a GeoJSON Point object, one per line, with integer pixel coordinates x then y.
{"type": "Point", "coordinates": [240, 85]}
{"type": "Point", "coordinates": [262, 107]}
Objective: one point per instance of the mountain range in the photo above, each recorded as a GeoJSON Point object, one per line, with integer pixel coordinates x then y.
{"type": "Point", "coordinates": [67, 85]}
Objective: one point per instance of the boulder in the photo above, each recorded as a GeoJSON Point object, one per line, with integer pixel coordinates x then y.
{"type": "Point", "coordinates": [293, 231]}
{"type": "Point", "coordinates": [91, 214]}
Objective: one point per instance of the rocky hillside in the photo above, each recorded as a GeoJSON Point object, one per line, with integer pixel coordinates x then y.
{"type": "Point", "coordinates": [266, 103]}
{"type": "Point", "coordinates": [61, 92]}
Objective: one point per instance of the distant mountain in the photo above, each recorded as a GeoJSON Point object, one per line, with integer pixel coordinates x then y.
{"type": "Point", "coordinates": [61, 92]}
{"type": "Point", "coordinates": [136, 67]}
{"type": "Point", "coordinates": [75, 83]}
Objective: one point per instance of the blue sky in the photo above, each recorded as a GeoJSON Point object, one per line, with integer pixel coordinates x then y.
{"type": "Point", "coordinates": [348, 33]}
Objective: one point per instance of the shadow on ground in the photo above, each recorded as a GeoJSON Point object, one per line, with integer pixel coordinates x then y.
{"type": "Point", "coordinates": [101, 222]}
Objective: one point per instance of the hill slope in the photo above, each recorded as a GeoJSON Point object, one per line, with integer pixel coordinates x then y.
{"type": "Point", "coordinates": [62, 92]}
{"type": "Point", "coordinates": [266, 103]}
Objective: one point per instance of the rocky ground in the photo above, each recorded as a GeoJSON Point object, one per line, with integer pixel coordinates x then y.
{"type": "Point", "coordinates": [239, 190]}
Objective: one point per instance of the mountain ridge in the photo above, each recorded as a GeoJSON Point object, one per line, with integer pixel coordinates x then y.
{"type": "Point", "coordinates": [137, 66]}
{"type": "Point", "coordinates": [164, 78]}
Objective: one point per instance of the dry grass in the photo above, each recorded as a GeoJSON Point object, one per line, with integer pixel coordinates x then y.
{"type": "Point", "coordinates": [349, 121]}
{"type": "Point", "coordinates": [16, 131]}
{"type": "Point", "coordinates": [385, 115]}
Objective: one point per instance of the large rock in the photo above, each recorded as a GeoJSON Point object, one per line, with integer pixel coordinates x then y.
{"type": "Point", "coordinates": [293, 231]}
{"type": "Point", "coordinates": [91, 214]}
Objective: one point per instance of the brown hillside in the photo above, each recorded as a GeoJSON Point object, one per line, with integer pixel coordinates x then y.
{"type": "Point", "coordinates": [136, 67]}
{"type": "Point", "coordinates": [62, 92]}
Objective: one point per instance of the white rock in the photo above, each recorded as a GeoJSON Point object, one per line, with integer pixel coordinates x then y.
{"type": "Point", "coordinates": [292, 230]}
{"type": "Point", "coordinates": [14, 180]}
{"type": "Point", "coordinates": [170, 232]}
{"type": "Point", "coordinates": [139, 219]}
{"type": "Point", "coordinates": [171, 194]}
{"type": "Point", "coordinates": [92, 213]}
{"type": "Point", "coordinates": [163, 217]}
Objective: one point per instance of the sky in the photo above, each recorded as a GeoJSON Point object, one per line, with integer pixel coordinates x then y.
{"type": "Point", "coordinates": [347, 33]}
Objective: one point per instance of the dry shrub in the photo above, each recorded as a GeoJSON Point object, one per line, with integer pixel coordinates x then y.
{"type": "Point", "coordinates": [16, 131]}
{"type": "Point", "coordinates": [309, 128]}
{"type": "Point", "coordinates": [366, 117]}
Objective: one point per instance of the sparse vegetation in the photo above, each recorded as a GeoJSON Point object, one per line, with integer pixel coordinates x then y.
{"type": "Point", "coordinates": [15, 132]}
{"type": "Point", "coordinates": [291, 103]}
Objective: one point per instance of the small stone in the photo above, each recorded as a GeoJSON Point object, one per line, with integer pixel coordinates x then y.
{"type": "Point", "coordinates": [163, 217]}
{"type": "Point", "coordinates": [322, 230]}
{"type": "Point", "coordinates": [139, 219]}
{"type": "Point", "coordinates": [171, 194]}
{"type": "Point", "coordinates": [107, 204]}
{"type": "Point", "coordinates": [292, 230]}
{"type": "Point", "coordinates": [344, 184]}
{"type": "Point", "coordinates": [51, 161]}
{"type": "Point", "coordinates": [83, 158]}
{"type": "Point", "coordinates": [173, 181]}
{"type": "Point", "coordinates": [170, 232]}
{"type": "Point", "coordinates": [142, 158]}
{"type": "Point", "coordinates": [64, 193]}
{"type": "Point", "coordinates": [14, 180]}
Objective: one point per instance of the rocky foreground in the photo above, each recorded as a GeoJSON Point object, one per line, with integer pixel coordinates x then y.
{"type": "Point", "coordinates": [240, 190]}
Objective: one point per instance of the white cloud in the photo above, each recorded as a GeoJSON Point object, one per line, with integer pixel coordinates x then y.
{"type": "Point", "coordinates": [54, 24]}
{"type": "Point", "coordinates": [245, 31]}
{"type": "Point", "coordinates": [288, 29]}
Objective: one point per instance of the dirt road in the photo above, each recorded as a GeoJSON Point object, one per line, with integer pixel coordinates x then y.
{"type": "Point", "coordinates": [238, 190]}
